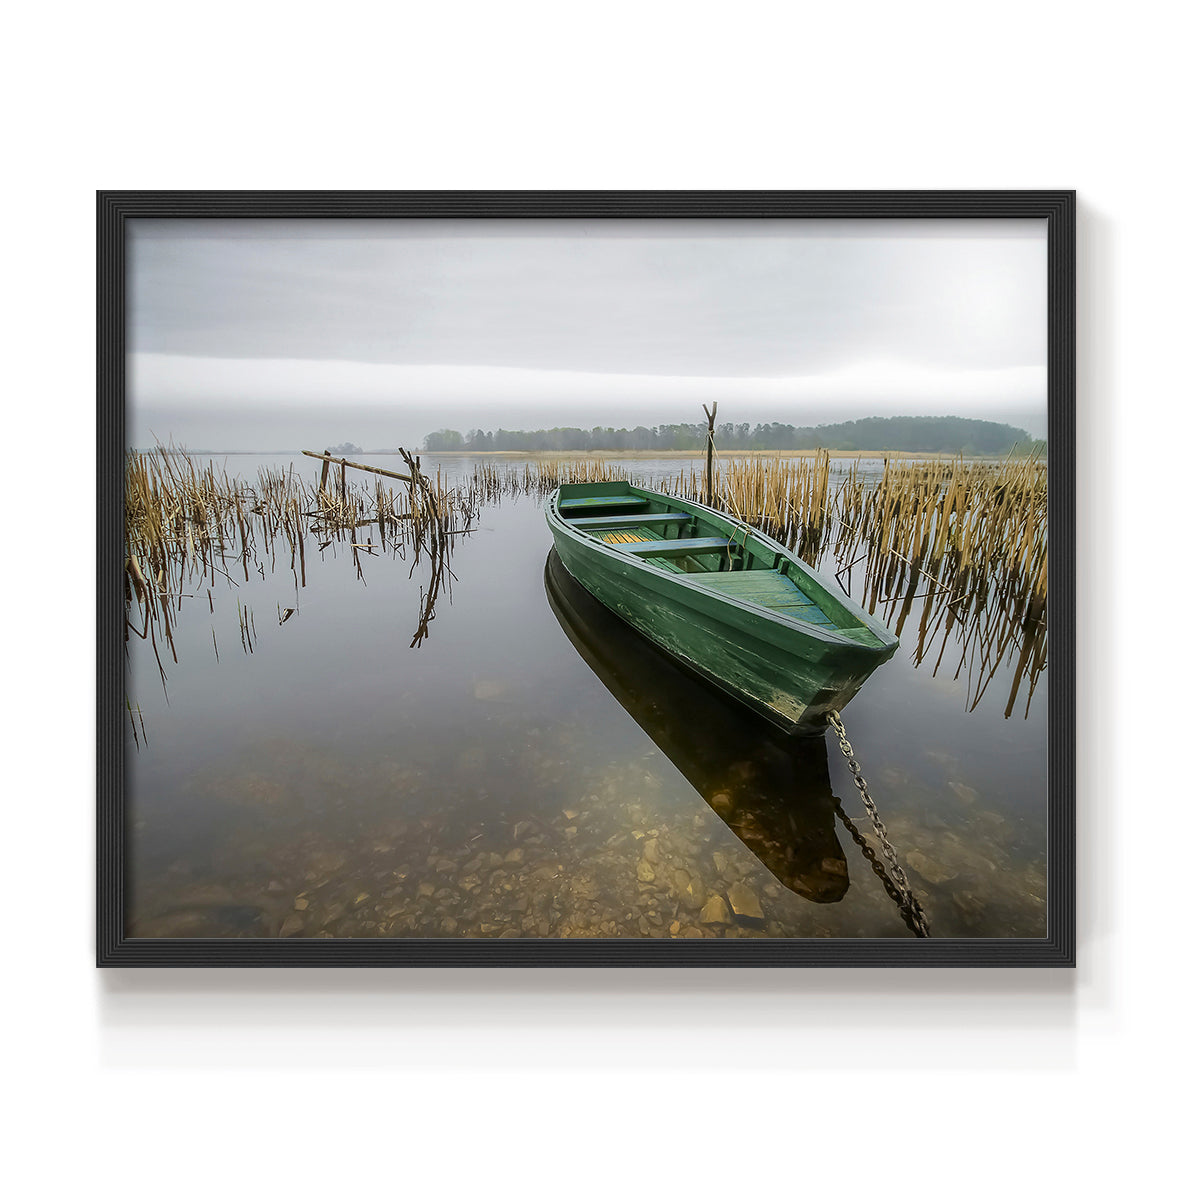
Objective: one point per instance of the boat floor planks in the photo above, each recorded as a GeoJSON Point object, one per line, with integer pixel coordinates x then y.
{"type": "Point", "coordinates": [768, 588]}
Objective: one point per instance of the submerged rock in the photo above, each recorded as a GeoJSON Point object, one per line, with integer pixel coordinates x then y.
{"type": "Point", "coordinates": [688, 888]}
{"type": "Point", "coordinates": [721, 802]}
{"type": "Point", "coordinates": [715, 912]}
{"type": "Point", "coordinates": [929, 868]}
{"type": "Point", "coordinates": [970, 906]}
{"type": "Point", "coordinates": [327, 862]}
{"type": "Point", "coordinates": [967, 794]}
{"type": "Point", "coordinates": [744, 903]}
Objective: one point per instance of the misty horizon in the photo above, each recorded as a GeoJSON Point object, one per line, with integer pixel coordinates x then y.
{"type": "Point", "coordinates": [261, 335]}
{"type": "Point", "coordinates": [349, 445]}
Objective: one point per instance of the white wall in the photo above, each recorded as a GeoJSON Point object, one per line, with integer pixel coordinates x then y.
{"type": "Point", "coordinates": [576, 1083]}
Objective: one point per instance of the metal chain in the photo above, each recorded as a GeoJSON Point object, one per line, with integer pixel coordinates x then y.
{"type": "Point", "coordinates": [877, 868]}
{"type": "Point", "coordinates": [910, 906]}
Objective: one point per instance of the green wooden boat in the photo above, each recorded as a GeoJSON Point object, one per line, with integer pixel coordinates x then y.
{"type": "Point", "coordinates": [730, 603]}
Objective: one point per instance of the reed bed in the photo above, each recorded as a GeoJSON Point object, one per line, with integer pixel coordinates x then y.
{"type": "Point", "coordinates": [491, 482]}
{"type": "Point", "coordinates": [961, 543]}
{"type": "Point", "coordinates": [786, 497]}
{"type": "Point", "coordinates": [190, 529]}
{"type": "Point", "coordinates": [968, 538]}
{"type": "Point", "coordinates": [959, 546]}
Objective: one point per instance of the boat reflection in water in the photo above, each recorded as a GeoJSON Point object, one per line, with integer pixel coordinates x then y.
{"type": "Point", "coordinates": [771, 790]}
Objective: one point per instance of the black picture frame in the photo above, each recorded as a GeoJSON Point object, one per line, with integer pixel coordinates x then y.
{"type": "Point", "coordinates": [114, 948]}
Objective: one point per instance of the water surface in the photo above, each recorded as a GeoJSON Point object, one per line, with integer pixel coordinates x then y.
{"type": "Point", "coordinates": [534, 769]}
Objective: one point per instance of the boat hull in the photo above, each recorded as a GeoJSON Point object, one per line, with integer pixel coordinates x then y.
{"type": "Point", "coordinates": [790, 674]}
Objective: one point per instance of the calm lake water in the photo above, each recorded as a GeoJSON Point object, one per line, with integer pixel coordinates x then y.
{"type": "Point", "coordinates": [534, 769]}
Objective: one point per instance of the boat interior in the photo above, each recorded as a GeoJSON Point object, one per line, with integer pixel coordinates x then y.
{"type": "Point", "coordinates": [687, 543]}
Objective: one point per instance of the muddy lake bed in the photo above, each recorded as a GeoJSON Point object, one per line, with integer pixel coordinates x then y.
{"type": "Point", "coordinates": [532, 769]}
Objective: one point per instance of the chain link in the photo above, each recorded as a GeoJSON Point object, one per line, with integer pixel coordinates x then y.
{"type": "Point", "coordinates": [910, 906]}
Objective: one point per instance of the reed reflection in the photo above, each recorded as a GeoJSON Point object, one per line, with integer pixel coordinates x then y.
{"type": "Point", "coordinates": [193, 533]}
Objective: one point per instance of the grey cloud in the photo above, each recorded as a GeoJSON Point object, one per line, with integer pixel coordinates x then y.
{"type": "Point", "coordinates": [267, 333]}
{"type": "Point", "coordinates": [562, 297]}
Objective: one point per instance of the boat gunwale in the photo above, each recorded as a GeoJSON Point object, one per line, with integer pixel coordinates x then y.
{"type": "Point", "coordinates": [836, 637]}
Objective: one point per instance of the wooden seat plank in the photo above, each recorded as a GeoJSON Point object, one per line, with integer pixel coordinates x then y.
{"type": "Point", "coordinates": [678, 547]}
{"type": "Point", "coordinates": [770, 589]}
{"type": "Point", "coordinates": [602, 502]}
{"type": "Point", "coordinates": [611, 522]}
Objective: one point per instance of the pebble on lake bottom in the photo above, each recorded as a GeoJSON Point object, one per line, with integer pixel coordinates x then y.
{"type": "Point", "coordinates": [630, 861]}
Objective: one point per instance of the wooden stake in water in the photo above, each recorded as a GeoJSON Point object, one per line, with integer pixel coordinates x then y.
{"type": "Point", "coordinates": [712, 417]}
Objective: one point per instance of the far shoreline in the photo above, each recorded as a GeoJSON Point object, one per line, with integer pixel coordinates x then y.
{"type": "Point", "coordinates": [559, 455]}
{"type": "Point", "coordinates": [700, 454]}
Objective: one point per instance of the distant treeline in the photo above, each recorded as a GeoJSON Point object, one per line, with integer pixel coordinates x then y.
{"type": "Point", "coordinates": [934, 435]}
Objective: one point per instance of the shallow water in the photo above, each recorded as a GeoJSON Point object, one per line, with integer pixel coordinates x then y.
{"type": "Point", "coordinates": [534, 769]}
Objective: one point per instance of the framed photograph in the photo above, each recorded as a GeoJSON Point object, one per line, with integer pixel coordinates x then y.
{"type": "Point", "coordinates": [586, 578]}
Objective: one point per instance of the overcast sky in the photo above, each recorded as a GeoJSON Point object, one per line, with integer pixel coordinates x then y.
{"type": "Point", "coordinates": [287, 334]}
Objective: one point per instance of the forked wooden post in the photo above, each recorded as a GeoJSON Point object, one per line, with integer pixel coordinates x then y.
{"type": "Point", "coordinates": [712, 417]}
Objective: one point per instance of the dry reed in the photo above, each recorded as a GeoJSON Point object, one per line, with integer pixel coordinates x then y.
{"type": "Point", "coordinates": [967, 539]}
{"type": "Point", "coordinates": [187, 525]}
{"type": "Point", "coordinates": [962, 542]}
